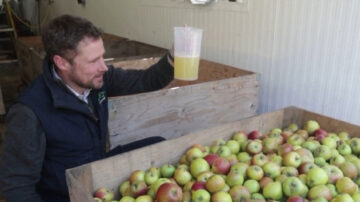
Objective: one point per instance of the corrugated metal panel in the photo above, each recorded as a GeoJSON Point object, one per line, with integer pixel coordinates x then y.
{"type": "Point", "coordinates": [307, 51]}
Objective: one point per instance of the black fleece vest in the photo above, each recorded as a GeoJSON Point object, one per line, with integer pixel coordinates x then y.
{"type": "Point", "coordinates": [74, 134]}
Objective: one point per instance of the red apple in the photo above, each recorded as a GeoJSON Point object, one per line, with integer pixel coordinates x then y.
{"type": "Point", "coordinates": [295, 199]}
{"type": "Point", "coordinates": [169, 192]}
{"type": "Point", "coordinates": [221, 166]}
{"type": "Point", "coordinates": [254, 135]}
{"type": "Point", "coordinates": [198, 185]}
{"type": "Point", "coordinates": [210, 158]}
{"type": "Point", "coordinates": [104, 194]}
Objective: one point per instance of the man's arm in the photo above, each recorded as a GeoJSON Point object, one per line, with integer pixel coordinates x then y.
{"type": "Point", "coordinates": [22, 156]}
{"type": "Point", "coordinates": [124, 82]}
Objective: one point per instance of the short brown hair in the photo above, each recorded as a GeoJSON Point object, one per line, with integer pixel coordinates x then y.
{"type": "Point", "coordinates": [62, 35]}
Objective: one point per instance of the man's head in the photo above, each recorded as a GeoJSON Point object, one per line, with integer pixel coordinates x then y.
{"type": "Point", "coordinates": [75, 46]}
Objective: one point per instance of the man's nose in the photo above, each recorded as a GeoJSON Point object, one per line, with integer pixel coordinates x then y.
{"type": "Point", "coordinates": [103, 66]}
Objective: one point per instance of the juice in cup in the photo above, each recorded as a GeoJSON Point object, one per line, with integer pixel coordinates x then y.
{"type": "Point", "coordinates": [187, 53]}
{"type": "Point", "coordinates": [186, 68]}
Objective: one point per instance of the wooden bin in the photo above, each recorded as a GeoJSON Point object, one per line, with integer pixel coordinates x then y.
{"type": "Point", "coordinates": [222, 94]}
{"type": "Point", "coordinates": [30, 52]}
{"type": "Point", "coordinates": [84, 180]}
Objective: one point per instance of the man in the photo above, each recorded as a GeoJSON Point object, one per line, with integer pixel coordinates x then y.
{"type": "Point", "coordinates": [60, 121]}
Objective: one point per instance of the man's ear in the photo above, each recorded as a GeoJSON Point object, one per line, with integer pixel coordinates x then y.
{"type": "Point", "coordinates": [61, 62]}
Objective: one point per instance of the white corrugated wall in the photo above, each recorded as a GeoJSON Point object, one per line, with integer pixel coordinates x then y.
{"type": "Point", "coordinates": [307, 51]}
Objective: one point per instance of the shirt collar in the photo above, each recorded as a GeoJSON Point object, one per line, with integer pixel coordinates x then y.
{"type": "Point", "coordinates": [83, 97]}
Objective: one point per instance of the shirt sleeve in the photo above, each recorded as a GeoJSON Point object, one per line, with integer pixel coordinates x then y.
{"type": "Point", "coordinates": [124, 82]}
{"type": "Point", "coordinates": [22, 156]}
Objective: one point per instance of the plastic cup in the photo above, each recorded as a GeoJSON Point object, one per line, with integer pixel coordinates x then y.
{"type": "Point", "coordinates": [187, 46]}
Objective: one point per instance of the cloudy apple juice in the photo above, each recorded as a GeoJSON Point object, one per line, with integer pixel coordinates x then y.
{"type": "Point", "coordinates": [186, 68]}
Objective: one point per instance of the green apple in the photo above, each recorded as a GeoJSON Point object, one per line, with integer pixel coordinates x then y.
{"type": "Point", "coordinates": [333, 172]}
{"type": "Point", "coordinates": [337, 160]}
{"type": "Point", "coordinates": [137, 175]}
{"type": "Point", "coordinates": [124, 187]}
{"type": "Point", "coordinates": [240, 136]}
{"type": "Point", "coordinates": [234, 178]}
{"type": "Point", "coordinates": [239, 193]}
{"type": "Point", "coordinates": [215, 183]}
{"type": "Point", "coordinates": [259, 159]}
{"type": "Point", "coordinates": [320, 191]}
{"type": "Point", "coordinates": [223, 151]}
{"type": "Point", "coordinates": [329, 141]}
{"type": "Point", "coordinates": [167, 170]}
{"type": "Point", "coordinates": [258, 197]}
{"type": "Point", "coordinates": [311, 126]}
{"type": "Point", "coordinates": [201, 195]}
{"type": "Point", "coordinates": [204, 176]}
{"type": "Point", "coordinates": [152, 175]}
{"type": "Point", "coordinates": [343, 198]}
{"type": "Point", "coordinates": [320, 161]}
{"type": "Point", "coordinates": [194, 153]}
{"type": "Point", "coordinates": [252, 185]}
{"type": "Point", "coordinates": [355, 145]}
{"type": "Point", "coordinates": [198, 166]}
{"type": "Point", "coordinates": [310, 145]}
{"type": "Point", "coordinates": [316, 176]}
{"type": "Point", "coordinates": [344, 136]}
{"type": "Point", "coordinates": [295, 140]}
{"type": "Point", "coordinates": [240, 167]}
{"type": "Point", "coordinates": [289, 171]}
{"type": "Point", "coordinates": [293, 127]}
{"type": "Point", "coordinates": [254, 146]}
{"type": "Point", "coordinates": [271, 169]}
{"type": "Point", "coordinates": [323, 151]}
{"type": "Point", "coordinates": [356, 196]}
{"type": "Point", "coordinates": [244, 157]}
{"type": "Point", "coordinates": [293, 186]}
{"type": "Point", "coordinates": [346, 185]}
{"type": "Point", "coordinates": [292, 159]}
{"type": "Point", "coordinates": [270, 144]}
{"type": "Point", "coordinates": [344, 149]}
{"type": "Point", "coordinates": [254, 172]}
{"type": "Point", "coordinates": [144, 198]}
{"type": "Point", "coordinates": [332, 188]}
{"type": "Point", "coordinates": [273, 190]}
{"type": "Point", "coordinates": [234, 146]}
{"type": "Point", "coordinates": [349, 170]}
{"type": "Point", "coordinates": [182, 176]}
{"type": "Point", "coordinates": [305, 155]}
{"type": "Point", "coordinates": [127, 199]}
{"type": "Point", "coordinates": [221, 196]}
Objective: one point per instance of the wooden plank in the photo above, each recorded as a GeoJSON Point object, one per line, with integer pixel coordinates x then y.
{"type": "Point", "coordinates": [222, 94]}
{"type": "Point", "coordinates": [2, 105]}
{"type": "Point", "coordinates": [112, 171]}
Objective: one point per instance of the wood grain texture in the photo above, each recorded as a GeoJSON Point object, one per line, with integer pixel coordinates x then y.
{"type": "Point", "coordinates": [222, 94]}
{"type": "Point", "coordinates": [112, 171]}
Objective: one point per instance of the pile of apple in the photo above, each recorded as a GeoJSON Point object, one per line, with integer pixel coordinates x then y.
{"type": "Point", "coordinates": [292, 165]}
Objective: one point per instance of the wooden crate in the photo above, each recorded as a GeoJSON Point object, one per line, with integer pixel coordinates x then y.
{"type": "Point", "coordinates": [222, 94]}
{"type": "Point", "coordinates": [110, 172]}
{"type": "Point", "coordinates": [30, 52]}
{"type": "Point", "coordinates": [2, 105]}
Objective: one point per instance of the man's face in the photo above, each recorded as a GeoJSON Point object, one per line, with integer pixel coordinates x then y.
{"type": "Point", "coordinates": [88, 66]}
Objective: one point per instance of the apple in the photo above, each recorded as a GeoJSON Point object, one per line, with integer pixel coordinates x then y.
{"type": "Point", "coordinates": [270, 145]}
{"type": "Point", "coordinates": [232, 158]}
{"type": "Point", "coordinates": [275, 158]}
{"type": "Point", "coordinates": [254, 172]}
{"type": "Point", "coordinates": [296, 199]}
{"type": "Point", "coordinates": [239, 167]}
{"type": "Point", "coordinates": [285, 148]}
{"type": "Point", "coordinates": [332, 189]}
{"type": "Point", "coordinates": [292, 159]}
{"type": "Point", "coordinates": [303, 133]}
{"type": "Point", "coordinates": [346, 185]}
{"type": "Point", "coordinates": [182, 176]}
{"type": "Point", "coordinates": [187, 186]}
{"type": "Point", "coordinates": [337, 160]}
{"type": "Point", "coordinates": [273, 190]}
{"type": "Point", "coordinates": [254, 147]}
{"type": "Point", "coordinates": [344, 136]}
{"type": "Point", "coordinates": [305, 155]}
{"type": "Point", "coordinates": [138, 188]}
{"type": "Point", "coordinates": [221, 166]}
{"type": "Point", "coordinates": [349, 170]}
{"type": "Point", "coordinates": [311, 126]}
{"type": "Point", "coordinates": [286, 134]}
{"type": "Point", "coordinates": [302, 177]}
{"type": "Point", "coordinates": [344, 149]}
{"type": "Point", "coordinates": [204, 176]}
{"type": "Point", "coordinates": [137, 175]}
{"type": "Point", "coordinates": [167, 170]}
{"type": "Point", "coordinates": [210, 158]}
{"type": "Point", "coordinates": [293, 127]}
{"type": "Point", "coordinates": [263, 181]}
{"type": "Point", "coordinates": [234, 178]}
{"type": "Point", "coordinates": [274, 132]}
{"type": "Point", "coordinates": [198, 166]}
{"type": "Point", "coordinates": [198, 185]}
{"type": "Point", "coordinates": [320, 134]}
{"type": "Point", "coordinates": [320, 191]}
{"type": "Point", "coordinates": [344, 198]}
{"type": "Point", "coordinates": [244, 157]}
{"type": "Point", "coordinates": [200, 146]}
{"type": "Point", "coordinates": [126, 199]}
{"type": "Point", "coordinates": [97, 199]}
{"type": "Point", "coordinates": [252, 185]}
{"type": "Point", "coordinates": [193, 153]}
{"type": "Point", "coordinates": [316, 176]}
{"type": "Point", "coordinates": [240, 136]}
{"type": "Point", "coordinates": [187, 197]}
{"type": "Point", "coordinates": [311, 145]}
{"type": "Point", "coordinates": [259, 159]}
{"type": "Point", "coordinates": [223, 151]}
{"type": "Point", "coordinates": [254, 135]}
{"type": "Point", "coordinates": [215, 183]}
{"type": "Point", "coordinates": [289, 171]}
{"type": "Point", "coordinates": [305, 167]}
{"type": "Point", "coordinates": [221, 196]}
{"type": "Point", "coordinates": [234, 146]}
{"type": "Point", "coordinates": [152, 175]}
{"type": "Point", "coordinates": [239, 193]}
{"type": "Point", "coordinates": [323, 151]}
{"type": "Point", "coordinates": [144, 198]}
{"type": "Point", "coordinates": [169, 192]}
{"type": "Point", "coordinates": [201, 195]}
{"type": "Point", "coordinates": [271, 169]}
{"type": "Point", "coordinates": [356, 196]}
{"type": "Point", "coordinates": [329, 141]}
{"type": "Point", "coordinates": [218, 142]}
{"type": "Point", "coordinates": [104, 194]}
{"type": "Point", "coordinates": [124, 188]}
{"type": "Point", "coordinates": [293, 186]}
{"type": "Point", "coordinates": [355, 145]}
{"type": "Point", "coordinates": [295, 140]}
